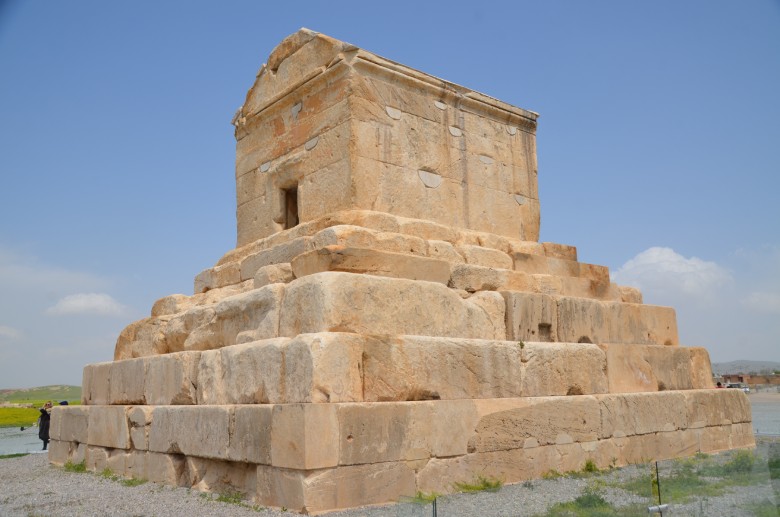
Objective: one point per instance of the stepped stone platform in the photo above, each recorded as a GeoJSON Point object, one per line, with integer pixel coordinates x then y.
{"type": "Point", "coordinates": [388, 322]}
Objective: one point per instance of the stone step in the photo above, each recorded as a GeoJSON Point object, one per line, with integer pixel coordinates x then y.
{"type": "Point", "coordinates": [326, 456]}
{"type": "Point", "coordinates": [345, 367]}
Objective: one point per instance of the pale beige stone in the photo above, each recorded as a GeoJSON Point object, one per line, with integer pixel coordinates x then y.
{"type": "Point", "coordinates": [563, 369]}
{"type": "Point", "coordinates": [108, 427]}
{"type": "Point", "coordinates": [190, 430]}
{"type": "Point", "coordinates": [95, 384]}
{"type": "Point", "coordinates": [69, 423]}
{"type": "Point", "coordinates": [282, 253]}
{"type": "Point", "coordinates": [139, 418]}
{"type": "Point", "coordinates": [642, 413]}
{"type": "Point", "coordinates": [274, 274]}
{"type": "Point", "coordinates": [304, 436]}
{"type": "Point", "coordinates": [486, 257]}
{"type": "Point", "coordinates": [206, 474]}
{"type": "Point", "coordinates": [372, 262]}
{"type": "Point", "coordinates": [172, 378]}
{"type": "Point", "coordinates": [171, 304]}
{"type": "Point", "coordinates": [531, 316]}
{"type": "Point", "coordinates": [126, 385]}
{"type": "Point", "coordinates": [344, 302]}
{"type": "Point", "coordinates": [249, 439]}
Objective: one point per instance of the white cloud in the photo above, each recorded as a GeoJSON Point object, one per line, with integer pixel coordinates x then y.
{"type": "Point", "coordinates": [99, 304]}
{"type": "Point", "coordinates": [664, 270]}
{"type": "Point", "coordinates": [763, 302]}
{"type": "Point", "coordinates": [9, 333]}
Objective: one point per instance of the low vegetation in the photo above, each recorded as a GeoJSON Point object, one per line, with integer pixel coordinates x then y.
{"type": "Point", "coordinates": [17, 455]}
{"type": "Point", "coordinates": [592, 503]}
{"type": "Point", "coordinates": [42, 393]}
{"type": "Point", "coordinates": [481, 484]}
{"type": "Point", "coordinates": [18, 416]}
{"type": "Point", "coordinates": [75, 467]}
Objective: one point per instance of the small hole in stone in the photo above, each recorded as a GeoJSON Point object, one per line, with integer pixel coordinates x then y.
{"type": "Point", "coordinates": [349, 438]}
{"type": "Point", "coordinates": [574, 390]}
{"type": "Point", "coordinates": [668, 342]}
{"type": "Point", "coordinates": [584, 339]}
{"type": "Point", "coordinates": [545, 332]}
{"type": "Point", "coordinates": [661, 386]}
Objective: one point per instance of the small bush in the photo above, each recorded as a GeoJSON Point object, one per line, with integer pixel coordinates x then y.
{"type": "Point", "coordinates": [552, 474]}
{"type": "Point", "coordinates": [590, 466]}
{"type": "Point", "coordinates": [16, 455]}
{"type": "Point", "coordinates": [230, 498]}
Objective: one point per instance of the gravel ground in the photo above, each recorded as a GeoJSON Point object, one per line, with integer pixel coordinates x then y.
{"type": "Point", "coordinates": [29, 486]}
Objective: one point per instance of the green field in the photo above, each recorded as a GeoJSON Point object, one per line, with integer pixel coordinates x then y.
{"type": "Point", "coordinates": [22, 416]}
{"type": "Point", "coordinates": [54, 393]}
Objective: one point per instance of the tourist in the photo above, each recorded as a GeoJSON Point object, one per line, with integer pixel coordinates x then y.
{"type": "Point", "coordinates": [43, 424]}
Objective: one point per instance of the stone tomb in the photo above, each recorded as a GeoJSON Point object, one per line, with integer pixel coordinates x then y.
{"type": "Point", "coordinates": [388, 321]}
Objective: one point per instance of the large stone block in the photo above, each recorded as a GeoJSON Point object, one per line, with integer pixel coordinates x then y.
{"type": "Point", "coordinates": [563, 369]}
{"type": "Point", "coordinates": [202, 431]}
{"type": "Point", "coordinates": [172, 379]}
{"type": "Point", "coordinates": [108, 427]}
{"type": "Point", "coordinates": [642, 413]}
{"type": "Point", "coordinates": [531, 316]}
{"type": "Point", "coordinates": [69, 423]}
{"type": "Point", "coordinates": [372, 262]}
{"type": "Point", "coordinates": [304, 436]}
{"type": "Point", "coordinates": [128, 378]}
{"type": "Point", "coordinates": [343, 302]}
{"type": "Point", "coordinates": [95, 384]}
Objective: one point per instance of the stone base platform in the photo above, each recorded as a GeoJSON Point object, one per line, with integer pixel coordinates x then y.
{"type": "Point", "coordinates": [317, 457]}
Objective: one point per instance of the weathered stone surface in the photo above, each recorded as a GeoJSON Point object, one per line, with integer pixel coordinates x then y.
{"type": "Point", "coordinates": [531, 317]}
{"type": "Point", "coordinates": [69, 424]}
{"type": "Point", "coordinates": [202, 431]}
{"type": "Point", "coordinates": [375, 305]}
{"type": "Point", "coordinates": [108, 427]}
{"type": "Point", "coordinates": [139, 418]}
{"type": "Point", "coordinates": [274, 274]}
{"type": "Point", "coordinates": [172, 378]}
{"type": "Point", "coordinates": [563, 369]}
{"type": "Point", "coordinates": [95, 384]}
{"type": "Point", "coordinates": [304, 436]}
{"type": "Point", "coordinates": [126, 385]}
{"type": "Point", "coordinates": [372, 262]}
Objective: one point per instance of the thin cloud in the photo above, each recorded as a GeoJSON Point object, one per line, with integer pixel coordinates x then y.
{"type": "Point", "coordinates": [9, 333]}
{"type": "Point", "coordinates": [663, 269]}
{"type": "Point", "coordinates": [96, 304]}
{"type": "Point", "coordinates": [763, 302]}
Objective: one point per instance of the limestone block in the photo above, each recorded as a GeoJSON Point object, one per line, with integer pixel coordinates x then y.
{"type": "Point", "coordinates": [164, 468]}
{"type": "Point", "coordinates": [141, 338]}
{"type": "Point", "coordinates": [701, 368]}
{"type": "Point", "coordinates": [646, 324]}
{"type": "Point", "coordinates": [126, 385]}
{"type": "Point", "coordinates": [561, 251]}
{"type": "Point", "coordinates": [281, 253]}
{"type": "Point", "coordinates": [358, 237]}
{"type": "Point", "coordinates": [357, 485]}
{"type": "Point", "coordinates": [95, 384]}
{"type": "Point", "coordinates": [629, 294]}
{"type": "Point", "coordinates": [473, 278]}
{"type": "Point", "coordinates": [273, 274]}
{"type": "Point", "coordinates": [219, 276]}
{"type": "Point", "coordinates": [172, 379]}
{"type": "Point", "coordinates": [444, 251]}
{"type": "Point", "coordinates": [108, 427]}
{"type": "Point", "coordinates": [171, 304]}
{"type": "Point", "coordinates": [508, 214]}
{"type": "Point", "coordinates": [716, 407]}
{"type": "Point", "coordinates": [584, 321]}
{"type": "Point", "coordinates": [139, 418]}
{"type": "Point", "coordinates": [486, 257]}
{"type": "Point", "coordinates": [190, 430]}
{"type": "Point", "coordinates": [69, 423]}
{"type": "Point", "coordinates": [531, 317]}
{"type": "Point", "coordinates": [240, 318]}
{"type": "Point", "coordinates": [304, 436]}
{"type": "Point", "coordinates": [425, 368]}
{"type": "Point", "coordinates": [672, 366]}
{"type": "Point", "coordinates": [96, 458]}
{"type": "Point", "coordinates": [367, 261]}
{"type": "Point", "coordinates": [410, 431]}
{"type": "Point", "coordinates": [642, 413]}
{"type": "Point", "coordinates": [547, 420]}
{"type": "Point", "coordinates": [362, 304]}
{"type": "Point", "coordinates": [742, 435]}
{"type": "Point", "coordinates": [212, 475]}
{"type": "Point", "coordinates": [629, 370]}
{"type": "Point", "coordinates": [59, 452]}
{"type": "Point", "coordinates": [526, 247]}
{"type": "Point", "coordinates": [329, 188]}
{"type": "Point", "coordinates": [563, 369]}
{"type": "Point", "coordinates": [249, 439]}
{"type": "Point", "coordinates": [427, 230]}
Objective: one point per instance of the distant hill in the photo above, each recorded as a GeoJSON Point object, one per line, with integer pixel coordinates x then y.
{"type": "Point", "coordinates": [54, 393]}
{"type": "Point", "coordinates": [745, 367]}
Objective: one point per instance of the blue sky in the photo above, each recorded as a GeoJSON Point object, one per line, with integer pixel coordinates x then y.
{"type": "Point", "coordinates": [658, 141]}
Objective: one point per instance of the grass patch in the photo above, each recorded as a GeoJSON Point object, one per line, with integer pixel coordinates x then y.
{"type": "Point", "coordinates": [15, 455]}
{"type": "Point", "coordinates": [133, 481]}
{"type": "Point", "coordinates": [75, 467]}
{"type": "Point", "coordinates": [590, 467]}
{"type": "Point", "coordinates": [552, 474]}
{"type": "Point", "coordinates": [39, 394]}
{"type": "Point", "coordinates": [592, 504]}
{"type": "Point", "coordinates": [421, 498]}
{"type": "Point", "coordinates": [481, 484]}
{"type": "Point", "coordinates": [764, 508]}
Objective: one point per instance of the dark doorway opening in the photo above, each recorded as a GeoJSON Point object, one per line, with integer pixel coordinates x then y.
{"type": "Point", "coordinates": [290, 207]}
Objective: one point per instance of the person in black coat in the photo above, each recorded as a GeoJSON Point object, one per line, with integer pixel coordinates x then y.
{"type": "Point", "coordinates": [43, 424]}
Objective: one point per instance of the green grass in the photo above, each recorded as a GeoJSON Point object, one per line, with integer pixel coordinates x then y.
{"type": "Point", "coordinates": [231, 497]}
{"type": "Point", "coordinates": [421, 498]}
{"type": "Point", "coordinates": [75, 467]}
{"type": "Point", "coordinates": [481, 484]}
{"type": "Point", "coordinates": [133, 481]}
{"type": "Point", "coordinates": [16, 455]}
{"type": "Point", "coordinates": [591, 504]}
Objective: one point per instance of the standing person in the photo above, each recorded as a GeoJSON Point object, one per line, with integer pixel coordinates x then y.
{"type": "Point", "coordinates": [44, 421]}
